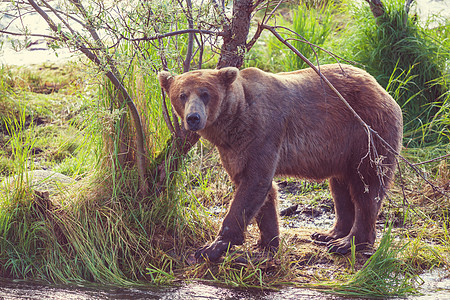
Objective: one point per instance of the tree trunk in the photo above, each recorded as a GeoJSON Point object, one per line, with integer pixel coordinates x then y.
{"type": "Point", "coordinates": [235, 39]}
{"type": "Point", "coordinates": [377, 8]}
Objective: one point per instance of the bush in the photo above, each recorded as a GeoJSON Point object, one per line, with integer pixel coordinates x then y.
{"type": "Point", "coordinates": [400, 53]}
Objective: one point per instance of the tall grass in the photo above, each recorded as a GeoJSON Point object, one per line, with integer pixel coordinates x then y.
{"type": "Point", "coordinates": [395, 45]}
{"type": "Point", "coordinates": [314, 23]}
{"type": "Point", "coordinates": [98, 230]}
{"type": "Point", "coordinates": [439, 125]}
{"type": "Point", "coordinates": [8, 108]}
{"type": "Point", "coordinates": [384, 274]}
{"type": "Point", "coordinates": [21, 145]}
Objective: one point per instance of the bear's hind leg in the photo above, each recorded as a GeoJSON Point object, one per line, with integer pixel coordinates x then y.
{"type": "Point", "coordinates": [267, 220]}
{"type": "Point", "coordinates": [344, 212]}
{"type": "Point", "coordinates": [363, 232]}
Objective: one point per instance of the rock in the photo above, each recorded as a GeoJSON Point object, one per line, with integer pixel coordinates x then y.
{"type": "Point", "coordinates": [40, 180]}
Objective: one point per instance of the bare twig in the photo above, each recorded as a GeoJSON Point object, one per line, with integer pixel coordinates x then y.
{"type": "Point", "coordinates": [166, 113]}
{"type": "Point", "coordinates": [28, 34]}
{"type": "Point", "coordinates": [174, 33]}
{"type": "Point", "coordinates": [305, 41]}
{"type": "Point", "coordinates": [266, 18]}
{"type": "Point", "coordinates": [221, 11]}
{"type": "Point", "coordinates": [404, 199]}
{"type": "Point", "coordinates": [187, 61]}
{"type": "Point", "coordinates": [59, 17]}
{"type": "Point", "coordinates": [431, 160]}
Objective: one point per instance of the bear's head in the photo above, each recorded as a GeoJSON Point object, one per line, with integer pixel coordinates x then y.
{"type": "Point", "coordinates": [197, 96]}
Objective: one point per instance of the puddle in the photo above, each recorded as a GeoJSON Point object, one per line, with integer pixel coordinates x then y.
{"type": "Point", "coordinates": [27, 290]}
{"type": "Point", "coordinates": [298, 215]}
{"type": "Point", "coordinates": [436, 285]}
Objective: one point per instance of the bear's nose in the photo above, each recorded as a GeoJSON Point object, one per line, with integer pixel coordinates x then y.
{"type": "Point", "coordinates": [193, 120]}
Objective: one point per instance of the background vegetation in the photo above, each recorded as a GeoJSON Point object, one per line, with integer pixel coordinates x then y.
{"type": "Point", "coordinates": [98, 228]}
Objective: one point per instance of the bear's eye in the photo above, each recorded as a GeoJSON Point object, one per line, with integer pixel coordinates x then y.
{"type": "Point", "coordinates": [183, 97]}
{"type": "Point", "coordinates": [204, 96]}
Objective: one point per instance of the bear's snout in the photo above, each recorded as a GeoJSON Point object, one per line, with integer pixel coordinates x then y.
{"type": "Point", "coordinates": [195, 115]}
{"type": "Point", "coordinates": [193, 121]}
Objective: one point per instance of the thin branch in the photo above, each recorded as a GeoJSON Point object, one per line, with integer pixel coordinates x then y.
{"type": "Point", "coordinates": [90, 27]}
{"type": "Point", "coordinates": [221, 11]}
{"type": "Point", "coordinates": [174, 33]}
{"type": "Point", "coordinates": [431, 160]}
{"type": "Point", "coordinates": [15, 17]}
{"type": "Point", "coordinates": [305, 41]}
{"type": "Point", "coordinates": [264, 21]}
{"type": "Point", "coordinates": [258, 2]}
{"type": "Point", "coordinates": [29, 34]}
{"type": "Point", "coordinates": [140, 139]}
{"type": "Point", "coordinates": [413, 166]}
{"type": "Point", "coordinates": [59, 17]}
{"type": "Point", "coordinates": [166, 113]}
{"type": "Point", "coordinates": [47, 19]}
{"type": "Point", "coordinates": [62, 36]}
{"type": "Point", "coordinates": [269, 16]}
{"type": "Point", "coordinates": [190, 46]}
{"type": "Point", "coordinates": [201, 46]}
{"type": "Point", "coordinates": [405, 200]}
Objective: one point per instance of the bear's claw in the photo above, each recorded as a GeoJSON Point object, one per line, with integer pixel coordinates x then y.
{"type": "Point", "coordinates": [321, 237]}
{"type": "Point", "coordinates": [343, 246]}
{"type": "Point", "coordinates": [213, 251]}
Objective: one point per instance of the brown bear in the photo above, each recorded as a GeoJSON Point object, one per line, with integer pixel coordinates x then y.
{"type": "Point", "coordinates": [292, 124]}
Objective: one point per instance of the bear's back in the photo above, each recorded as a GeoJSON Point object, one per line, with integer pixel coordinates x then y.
{"type": "Point", "coordinates": [320, 135]}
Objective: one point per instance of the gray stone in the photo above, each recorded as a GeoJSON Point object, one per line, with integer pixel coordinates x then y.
{"type": "Point", "coordinates": [40, 180]}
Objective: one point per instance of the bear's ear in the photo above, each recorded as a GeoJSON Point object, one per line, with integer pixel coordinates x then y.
{"type": "Point", "coordinates": [228, 75]}
{"type": "Point", "coordinates": [165, 80]}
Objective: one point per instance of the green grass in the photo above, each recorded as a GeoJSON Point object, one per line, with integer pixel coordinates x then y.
{"type": "Point", "coordinates": [96, 230]}
{"type": "Point", "coordinates": [313, 23]}
{"type": "Point", "coordinates": [383, 275]}
{"type": "Point", "coordinates": [417, 57]}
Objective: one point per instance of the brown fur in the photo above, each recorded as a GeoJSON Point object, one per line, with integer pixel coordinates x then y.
{"type": "Point", "coordinates": [292, 124]}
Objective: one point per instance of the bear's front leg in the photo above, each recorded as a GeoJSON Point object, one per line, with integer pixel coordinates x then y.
{"type": "Point", "coordinates": [267, 220]}
{"type": "Point", "coordinates": [253, 186]}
